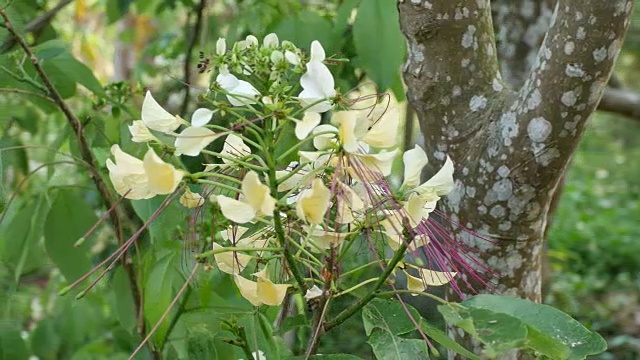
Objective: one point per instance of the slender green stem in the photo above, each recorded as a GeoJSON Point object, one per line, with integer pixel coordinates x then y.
{"type": "Point", "coordinates": [277, 220]}
{"type": "Point", "coordinates": [244, 341]}
{"type": "Point", "coordinates": [235, 160]}
{"type": "Point", "coordinates": [206, 174]}
{"type": "Point", "coordinates": [302, 142]}
{"type": "Point", "coordinates": [355, 307]}
{"type": "Point", "coordinates": [352, 271]}
{"type": "Point", "coordinates": [224, 186]}
{"type": "Point", "coordinates": [209, 253]}
{"type": "Point", "coordinates": [357, 286]}
{"type": "Point", "coordinates": [412, 292]}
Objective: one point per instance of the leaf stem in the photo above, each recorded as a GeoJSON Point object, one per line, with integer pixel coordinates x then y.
{"type": "Point", "coordinates": [355, 307]}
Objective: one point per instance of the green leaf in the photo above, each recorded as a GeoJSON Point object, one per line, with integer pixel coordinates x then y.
{"type": "Point", "coordinates": [441, 338]}
{"type": "Point", "coordinates": [499, 333]}
{"type": "Point", "coordinates": [380, 45]}
{"type": "Point", "coordinates": [123, 298]}
{"type": "Point", "coordinates": [387, 346]}
{"type": "Point", "coordinates": [116, 9]}
{"type": "Point", "coordinates": [45, 340]}
{"type": "Point", "coordinates": [305, 27]}
{"type": "Point", "coordinates": [327, 357]}
{"type": "Point", "coordinates": [388, 315]}
{"type": "Point", "coordinates": [546, 325]}
{"type": "Point", "coordinates": [69, 219]}
{"type": "Point", "coordinates": [159, 289]}
{"type": "Point", "coordinates": [21, 236]}
{"type": "Point", "coordinates": [291, 323]}
{"type": "Point", "coordinates": [12, 346]}
{"type": "Point", "coordinates": [164, 227]}
{"type": "Point", "coordinates": [64, 70]}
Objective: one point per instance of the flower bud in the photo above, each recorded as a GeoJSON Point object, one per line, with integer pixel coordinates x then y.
{"type": "Point", "coordinates": [221, 46]}
{"type": "Point", "coordinates": [251, 41]}
{"type": "Point", "coordinates": [292, 57]}
{"type": "Point", "coordinates": [276, 56]}
{"type": "Point", "coordinates": [271, 41]}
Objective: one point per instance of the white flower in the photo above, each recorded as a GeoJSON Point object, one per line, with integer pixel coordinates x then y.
{"type": "Point", "coordinates": [317, 83]}
{"type": "Point", "coordinates": [157, 118]}
{"type": "Point", "coordinates": [276, 56]}
{"type": "Point", "coordinates": [127, 175]}
{"type": "Point", "coordinates": [201, 117]}
{"type": "Point", "coordinates": [240, 92]}
{"type": "Point", "coordinates": [192, 140]}
{"type": "Point", "coordinates": [314, 292]}
{"type": "Point", "coordinates": [234, 147]}
{"type": "Point", "coordinates": [414, 161]}
{"type": "Point", "coordinates": [309, 121]}
{"type": "Point", "coordinates": [140, 132]}
{"type": "Point", "coordinates": [313, 203]}
{"type": "Point", "coordinates": [163, 177]}
{"type": "Point", "coordinates": [256, 200]}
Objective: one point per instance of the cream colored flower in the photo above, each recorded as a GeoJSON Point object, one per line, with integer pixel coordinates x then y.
{"type": "Point", "coordinates": [191, 200]}
{"type": "Point", "coordinates": [163, 178]}
{"type": "Point", "coordinates": [264, 291]}
{"type": "Point", "coordinates": [240, 92]}
{"type": "Point", "coordinates": [318, 86]}
{"type": "Point", "coordinates": [255, 201]}
{"type": "Point", "coordinates": [303, 127]}
{"type": "Point", "coordinates": [313, 203]}
{"type": "Point", "coordinates": [140, 132]}
{"type": "Point", "coordinates": [155, 117]}
{"type": "Point", "coordinates": [427, 278]}
{"type": "Point", "coordinates": [230, 262]}
{"type": "Point", "coordinates": [234, 147]}
{"type": "Point", "coordinates": [128, 176]}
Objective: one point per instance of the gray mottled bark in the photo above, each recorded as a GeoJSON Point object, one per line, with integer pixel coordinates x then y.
{"type": "Point", "coordinates": [510, 144]}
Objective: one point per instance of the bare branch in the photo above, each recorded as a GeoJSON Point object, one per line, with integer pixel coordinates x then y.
{"type": "Point", "coordinates": [193, 40]}
{"type": "Point", "coordinates": [621, 102]}
{"type": "Point", "coordinates": [36, 24]}
{"type": "Point", "coordinates": [570, 75]}
{"type": "Point", "coordinates": [452, 57]}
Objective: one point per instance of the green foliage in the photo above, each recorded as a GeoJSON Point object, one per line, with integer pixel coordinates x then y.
{"type": "Point", "coordinates": [502, 323]}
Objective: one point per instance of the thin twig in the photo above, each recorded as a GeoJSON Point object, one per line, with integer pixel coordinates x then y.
{"type": "Point", "coordinates": [193, 40]}
{"type": "Point", "coordinates": [27, 92]}
{"type": "Point", "coordinates": [89, 159]}
{"type": "Point", "coordinates": [36, 24]}
{"type": "Point", "coordinates": [166, 312]}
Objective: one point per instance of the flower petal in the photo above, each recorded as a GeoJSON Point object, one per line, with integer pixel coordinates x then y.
{"type": "Point", "coordinates": [436, 278]}
{"type": "Point", "coordinates": [191, 200]}
{"type": "Point", "coordinates": [192, 140]}
{"type": "Point", "coordinates": [140, 132]}
{"type": "Point", "coordinates": [309, 121]}
{"type": "Point", "coordinates": [441, 183]}
{"type": "Point", "coordinates": [257, 194]}
{"type": "Point", "coordinates": [234, 210]}
{"type": "Point", "coordinates": [163, 177]}
{"type": "Point", "coordinates": [313, 203]}
{"type": "Point", "coordinates": [381, 162]}
{"type": "Point", "coordinates": [414, 161]}
{"type": "Point", "coordinates": [156, 117]}
{"type": "Point", "coordinates": [201, 117]}
{"type": "Point", "coordinates": [234, 147]}
{"type": "Point", "coordinates": [317, 51]}
{"type": "Point", "coordinates": [415, 283]}
{"type": "Point", "coordinates": [384, 130]}
{"type": "Point", "coordinates": [269, 293]}
{"type": "Point", "coordinates": [248, 289]}
{"type": "Point", "coordinates": [230, 262]}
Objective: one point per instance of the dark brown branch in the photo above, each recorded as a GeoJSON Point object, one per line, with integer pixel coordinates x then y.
{"type": "Point", "coordinates": [88, 157]}
{"type": "Point", "coordinates": [36, 24]}
{"type": "Point", "coordinates": [193, 40]}
{"type": "Point", "coordinates": [621, 102]}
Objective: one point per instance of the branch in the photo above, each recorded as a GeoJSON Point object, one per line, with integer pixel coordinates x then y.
{"type": "Point", "coordinates": [36, 24]}
{"type": "Point", "coordinates": [621, 102]}
{"type": "Point", "coordinates": [193, 40]}
{"type": "Point", "coordinates": [571, 73]}
{"type": "Point", "coordinates": [465, 65]}
{"type": "Point", "coordinates": [90, 160]}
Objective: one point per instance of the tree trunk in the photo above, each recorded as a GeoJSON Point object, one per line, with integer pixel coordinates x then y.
{"type": "Point", "coordinates": [510, 143]}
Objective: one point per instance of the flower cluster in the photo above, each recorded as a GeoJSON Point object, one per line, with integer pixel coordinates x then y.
{"type": "Point", "coordinates": [288, 207]}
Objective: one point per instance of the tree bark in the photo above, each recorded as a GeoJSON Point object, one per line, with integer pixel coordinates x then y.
{"type": "Point", "coordinates": [510, 145]}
